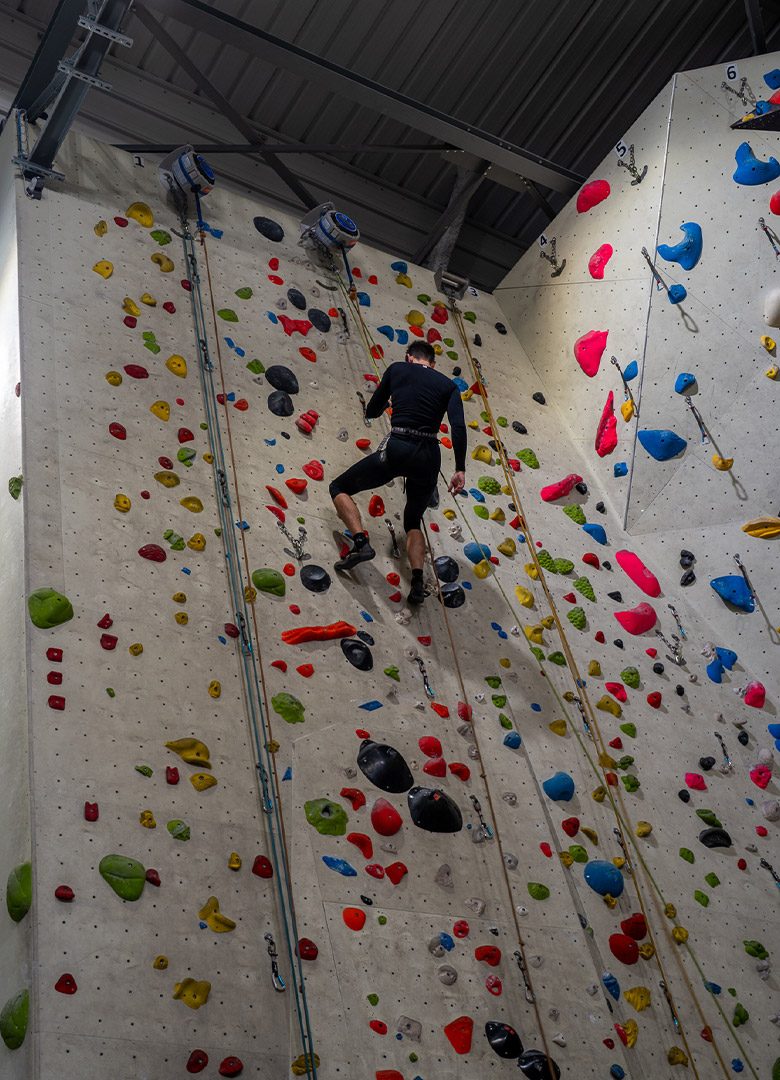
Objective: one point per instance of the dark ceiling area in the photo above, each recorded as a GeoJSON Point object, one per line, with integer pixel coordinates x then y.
{"type": "Point", "coordinates": [452, 96]}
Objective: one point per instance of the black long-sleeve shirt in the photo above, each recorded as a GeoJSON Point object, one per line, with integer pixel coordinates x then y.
{"type": "Point", "coordinates": [420, 397]}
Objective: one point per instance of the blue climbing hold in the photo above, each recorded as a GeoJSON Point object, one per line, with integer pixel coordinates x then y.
{"type": "Point", "coordinates": [750, 170]}
{"type": "Point", "coordinates": [446, 941]}
{"type": "Point", "coordinates": [400, 266]}
{"type": "Point", "coordinates": [676, 294]}
{"type": "Point", "coordinates": [503, 635]}
{"type": "Point", "coordinates": [371, 706]}
{"type": "Point", "coordinates": [536, 707]}
{"type": "Point", "coordinates": [280, 469]}
{"type": "Point", "coordinates": [402, 337]}
{"type": "Point", "coordinates": [631, 371]}
{"type": "Point", "coordinates": [772, 79]}
{"type": "Point", "coordinates": [604, 878]}
{"type": "Point", "coordinates": [688, 252]}
{"type": "Point", "coordinates": [617, 1071]}
{"type": "Point", "coordinates": [270, 442]}
{"type": "Point", "coordinates": [661, 444]}
{"type": "Point", "coordinates": [559, 788]}
{"type": "Point", "coordinates": [231, 396]}
{"type": "Point", "coordinates": [727, 657]}
{"type": "Point", "coordinates": [684, 382]}
{"type": "Point", "coordinates": [774, 730]}
{"type": "Point", "coordinates": [750, 802]}
{"type": "Point", "coordinates": [596, 532]}
{"type": "Point", "coordinates": [461, 384]}
{"type": "Point", "coordinates": [466, 585]}
{"type": "Point", "coordinates": [737, 1065]}
{"type": "Point", "coordinates": [477, 495]}
{"type": "Point", "coordinates": [475, 553]}
{"type": "Point", "coordinates": [272, 316]}
{"type": "Point", "coordinates": [512, 740]}
{"type": "Point", "coordinates": [341, 866]}
{"type": "Point", "coordinates": [364, 299]}
{"type": "Point", "coordinates": [715, 670]}
{"type": "Point", "coordinates": [366, 617]}
{"type": "Point", "coordinates": [620, 468]}
{"type": "Point", "coordinates": [713, 987]}
{"type": "Point", "coordinates": [495, 626]}
{"type": "Point", "coordinates": [734, 590]}
{"type": "Point", "coordinates": [230, 343]}
{"type": "Point", "coordinates": [287, 773]}
{"type": "Point", "coordinates": [388, 332]}
{"type": "Point", "coordinates": [611, 985]}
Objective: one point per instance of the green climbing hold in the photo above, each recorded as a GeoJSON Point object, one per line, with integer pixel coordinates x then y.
{"type": "Point", "coordinates": [160, 237]}
{"type": "Point", "coordinates": [563, 566]}
{"type": "Point", "coordinates": [227, 314]}
{"type": "Point", "coordinates": [701, 898]}
{"type": "Point", "coordinates": [469, 316]}
{"type": "Point", "coordinates": [504, 721]}
{"type": "Point", "coordinates": [449, 342]}
{"type": "Point", "coordinates": [537, 653]}
{"type": "Point", "coordinates": [186, 455]}
{"type": "Point", "coordinates": [382, 920]}
{"type": "Point", "coordinates": [499, 700]}
{"type": "Point", "coordinates": [49, 608]}
{"type": "Point", "coordinates": [546, 561]}
{"type": "Point", "coordinates": [584, 587]}
{"type": "Point", "coordinates": [452, 355]}
{"type": "Point", "coordinates": [493, 681]}
{"type": "Point", "coordinates": [776, 1070]}
{"type": "Point", "coordinates": [288, 707]}
{"type": "Point", "coordinates": [126, 877]}
{"type": "Point", "coordinates": [178, 829]}
{"type": "Point", "coordinates": [489, 485]}
{"type": "Point", "coordinates": [393, 673]}
{"type": "Point", "coordinates": [18, 891]}
{"type": "Point", "coordinates": [175, 541]}
{"type": "Point", "coordinates": [145, 770]}
{"type": "Point", "coordinates": [15, 486]}
{"type": "Point", "coordinates": [630, 783]}
{"type": "Point", "coordinates": [255, 367]}
{"type": "Point", "coordinates": [268, 580]}
{"type": "Point", "coordinates": [576, 617]}
{"type": "Point", "coordinates": [414, 1057]}
{"type": "Point", "coordinates": [502, 421]}
{"type": "Point", "coordinates": [423, 298]}
{"type": "Point", "coordinates": [538, 891]}
{"type": "Point", "coordinates": [529, 458]}
{"type": "Point", "coordinates": [625, 762]}
{"type": "Point", "coordinates": [557, 658]}
{"type": "Point", "coordinates": [13, 1019]}
{"type": "Point", "coordinates": [709, 818]}
{"type": "Point", "coordinates": [629, 729]}
{"type": "Point", "coordinates": [111, 691]}
{"type": "Point", "coordinates": [741, 1015]}
{"type": "Point", "coordinates": [756, 949]}
{"type": "Point", "coordinates": [576, 513]}
{"type": "Point", "coordinates": [244, 293]}
{"type": "Point", "coordinates": [481, 511]}
{"type": "Point", "coordinates": [373, 999]}
{"type": "Point", "coordinates": [485, 416]}
{"type": "Point", "coordinates": [578, 853]}
{"type": "Point", "coordinates": [687, 854]}
{"type": "Point", "coordinates": [327, 817]}
{"type": "Point", "coordinates": [712, 880]}
{"type": "Point", "coordinates": [630, 677]}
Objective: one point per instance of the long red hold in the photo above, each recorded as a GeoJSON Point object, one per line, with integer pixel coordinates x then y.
{"type": "Point", "coordinates": [318, 633]}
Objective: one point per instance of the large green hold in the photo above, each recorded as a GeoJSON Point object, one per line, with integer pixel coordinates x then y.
{"type": "Point", "coordinates": [558, 658]}
{"type": "Point", "coordinates": [578, 853]}
{"type": "Point", "coordinates": [756, 949]}
{"type": "Point", "coordinates": [576, 617]}
{"type": "Point", "coordinates": [709, 818]}
{"type": "Point", "coordinates": [481, 511]}
{"type": "Point", "coordinates": [576, 513]}
{"type": "Point", "coordinates": [563, 566]}
{"type": "Point", "coordinates": [18, 891]}
{"type": "Point", "coordinates": [630, 783]}
{"type": "Point", "coordinates": [546, 561]}
{"type": "Point", "coordinates": [288, 707]}
{"type": "Point", "coordinates": [529, 458]}
{"type": "Point", "coordinates": [629, 729]}
{"type": "Point", "coordinates": [13, 1019]}
{"type": "Point", "coordinates": [49, 608]}
{"type": "Point", "coordinates": [244, 293]}
{"type": "Point", "coordinates": [630, 677]}
{"type": "Point", "coordinates": [489, 485]}
{"type": "Point", "coordinates": [493, 681]}
{"type": "Point", "coordinates": [227, 314]}
{"type": "Point", "coordinates": [741, 1015]}
{"type": "Point", "coordinates": [499, 700]}
{"type": "Point", "coordinates": [327, 817]}
{"type": "Point", "coordinates": [687, 854]}
{"type": "Point", "coordinates": [538, 891]}
{"type": "Point", "coordinates": [583, 586]}
{"type": "Point", "coordinates": [701, 898]}
{"type": "Point", "coordinates": [269, 581]}
{"type": "Point", "coordinates": [126, 877]}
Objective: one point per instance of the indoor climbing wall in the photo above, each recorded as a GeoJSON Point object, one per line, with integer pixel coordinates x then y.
{"type": "Point", "coordinates": [518, 825]}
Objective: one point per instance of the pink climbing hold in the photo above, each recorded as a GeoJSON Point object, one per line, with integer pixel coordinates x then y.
{"type": "Point", "coordinates": [589, 349]}
{"type": "Point", "coordinates": [695, 781]}
{"type": "Point", "coordinates": [774, 203]}
{"type": "Point", "coordinates": [761, 775]}
{"type": "Point", "coordinates": [617, 690]}
{"type": "Point", "coordinates": [755, 695]}
{"type": "Point", "coordinates": [637, 620]}
{"type": "Point", "coordinates": [606, 432]}
{"type": "Point", "coordinates": [633, 567]}
{"type": "Point", "coordinates": [591, 195]}
{"type": "Point", "coordinates": [560, 488]}
{"type": "Point", "coordinates": [598, 261]}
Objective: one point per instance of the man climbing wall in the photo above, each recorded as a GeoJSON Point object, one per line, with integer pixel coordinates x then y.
{"type": "Point", "coordinates": [420, 396]}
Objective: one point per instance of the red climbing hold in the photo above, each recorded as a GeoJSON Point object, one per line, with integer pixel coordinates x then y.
{"type": "Point", "coordinates": [589, 349]}
{"type": "Point", "coordinates": [417, 331]}
{"type": "Point", "coordinates": [135, 371]}
{"type": "Point", "coordinates": [439, 314]}
{"type": "Point", "coordinates": [385, 818]}
{"type": "Point", "coordinates": [364, 843]}
{"type": "Point", "coordinates": [591, 560]}
{"type": "Point", "coordinates": [171, 774]}
{"type": "Point", "coordinates": [396, 872]}
{"type": "Point", "coordinates": [117, 430]}
{"type": "Point", "coordinates": [374, 280]}
{"type": "Point", "coordinates": [654, 699]}
{"type": "Point", "coordinates": [638, 620]}
{"type": "Point", "coordinates": [170, 307]}
{"type": "Point", "coordinates": [108, 642]}
{"type": "Point", "coordinates": [635, 926]}
{"type": "Point", "coordinates": [64, 893]}
{"type": "Point", "coordinates": [435, 767]}
{"type": "Point", "coordinates": [277, 496]}
{"type": "Point", "coordinates": [231, 630]}
{"type": "Point", "coordinates": [624, 948]}
{"type": "Point", "coordinates": [308, 354]}
{"type": "Point", "coordinates": [457, 768]}
{"type": "Point", "coordinates": [280, 665]}
{"type": "Point", "coordinates": [761, 775]}
{"type": "Point", "coordinates": [91, 811]}
{"type": "Point", "coordinates": [461, 929]}
{"type": "Point", "coordinates": [231, 1066]}
{"type": "Point", "coordinates": [432, 335]}
{"type": "Point", "coordinates": [606, 432]}
{"type": "Point", "coordinates": [379, 1026]}
{"type": "Point", "coordinates": [598, 261]}
{"type": "Point", "coordinates": [130, 322]}
{"type": "Point", "coordinates": [262, 867]}
{"type": "Point", "coordinates": [277, 512]}
{"type": "Point", "coordinates": [459, 1032]}
{"type": "Point", "coordinates": [275, 279]}
{"type": "Point", "coordinates": [570, 597]}
{"type": "Point", "coordinates": [395, 598]}
{"type": "Point", "coordinates": [652, 653]}
{"type": "Point", "coordinates": [354, 918]}
{"type": "Point", "coordinates": [306, 949]}
{"type": "Point", "coordinates": [273, 264]}
{"type": "Point", "coordinates": [616, 743]}
{"type": "Point", "coordinates": [66, 984]}
{"type": "Point", "coordinates": [294, 326]}
{"type": "Point", "coordinates": [560, 488]}
{"type": "Point", "coordinates": [122, 222]}
{"type": "Point", "coordinates": [425, 640]}
{"type": "Point", "coordinates": [571, 826]}
{"type": "Point", "coordinates": [591, 195]}
{"type": "Point", "coordinates": [305, 670]}
{"type": "Point", "coordinates": [56, 702]}
{"type": "Point", "coordinates": [314, 470]}
{"type": "Point", "coordinates": [146, 495]}
{"type": "Point", "coordinates": [599, 636]}
{"type": "Point", "coordinates": [430, 745]}
{"type": "Point", "coordinates": [488, 954]}
{"type": "Point", "coordinates": [197, 1061]}
{"type": "Point", "coordinates": [376, 508]}
{"type": "Point", "coordinates": [362, 444]}
{"type": "Point", "coordinates": [611, 779]}
{"type": "Point", "coordinates": [318, 633]}
{"type": "Point", "coordinates": [742, 864]}
{"type": "Point", "coordinates": [106, 622]}
{"type": "Point", "coordinates": [152, 552]}
{"type": "Point", "coordinates": [387, 1074]}
{"type": "Point", "coordinates": [152, 877]}
{"type": "Point", "coordinates": [185, 435]}
{"type": "Point", "coordinates": [755, 695]}
{"type": "Point", "coordinates": [54, 678]}
{"type": "Point", "coordinates": [617, 690]}
{"type": "Point", "coordinates": [165, 462]}
{"type": "Point", "coordinates": [297, 485]}
{"type": "Point", "coordinates": [375, 870]}
{"type": "Point", "coordinates": [186, 285]}
{"type": "Point", "coordinates": [633, 567]}
{"type": "Point", "coordinates": [545, 849]}
{"type": "Point", "coordinates": [440, 710]}
{"type": "Point", "coordinates": [54, 655]}
{"type": "Point", "coordinates": [494, 985]}
{"type": "Point", "coordinates": [355, 796]}
{"type": "Point", "coordinates": [465, 711]}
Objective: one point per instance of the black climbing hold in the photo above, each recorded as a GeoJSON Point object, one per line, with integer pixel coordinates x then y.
{"type": "Point", "coordinates": [281, 378]}
{"type": "Point", "coordinates": [503, 1039]}
{"type": "Point", "coordinates": [453, 595]}
{"type": "Point", "coordinates": [521, 429]}
{"type": "Point", "coordinates": [478, 341]}
{"type": "Point", "coordinates": [513, 508]}
{"type": "Point", "coordinates": [446, 568]}
{"type": "Point", "coordinates": [315, 578]}
{"type": "Point", "coordinates": [384, 766]}
{"type": "Point", "coordinates": [679, 690]}
{"type": "Point", "coordinates": [539, 398]}
{"type": "Point", "coordinates": [715, 837]}
{"type": "Point", "coordinates": [456, 372]}
{"type": "Point", "coordinates": [582, 487]}
{"type": "Point", "coordinates": [501, 328]}
{"type": "Point", "coordinates": [280, 403]}
{"type": "Point", "coordinates": [365, 636]}
{"type": "Point", "coordinates": [536, 1065]}
{"type": "Point", "coordinates": [433, 810]}
{"type": "Point", "coordinates": [684, 795]}
{"type": "Point", "coordinates": [358, 654]}
{"type": "Point", "coordinates": [743, 738]}
{"type": "Point", "coordinates": [493, 446]}
{"type": "Point", "coordinates": [367, 900]}
{"type": "Point", "coordinates": [319, 320]}
{"type": "Point", "coordinates": [688, 578]}
{"type": "Point", "coordinates": [601, 507]}
{"type": "Point", "coordinates": [297, 299]}
{"type": "Point", "coordinates": [706, 763]}
{"type": "Point", "coordinates": [618, 643]}
{"type": "Point", "coordinates": [271, 230]}
{"type": "Point", "coordinates": [687, 558]}
{"type": "Point", "coordinates": [616, 596]}
{"type": "Point", "coordinates": [607, 565]}
{"type": "Point", "coordinates": [658, 668]}
{"type": "Point", "coordinates": [284, 434]}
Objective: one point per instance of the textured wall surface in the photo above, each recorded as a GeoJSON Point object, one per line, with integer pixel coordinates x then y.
{"type": "Point", "coordinates": [639, 742]}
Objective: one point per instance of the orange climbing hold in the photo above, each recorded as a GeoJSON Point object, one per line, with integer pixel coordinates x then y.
{"type": "Point", "coordinates": [318, 633]}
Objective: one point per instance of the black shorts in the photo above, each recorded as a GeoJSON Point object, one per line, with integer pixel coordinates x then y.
{"type": "Point", "coordinates": [417, 460]}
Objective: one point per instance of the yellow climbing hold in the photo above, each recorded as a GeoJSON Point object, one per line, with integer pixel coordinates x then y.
{"type": "Point", "coordinates": [566, 858]}
{"type": "Point", "coordinates": [415, 317]}
{"type": "Point", "coordinates": [197, 542]}
{"type": "Point", "coordinates": [618, 861]}
{"type": "Point", "coordinates": [250, 594]}
{"type": "Point", "coordinates": [594, 669]}
{"type": "Point", "coordinates": [643, 829]}
{"type": "Point", "coordinates": [722, 464]}
{"type": "Point", "coordinates": [167, 479]}
{"type": "Point", "coordinates": [591, 834]}
{"type": "Point", "coordinates": [467, 395]}
{"type": "Point", "coordinates": [141, 213]}
{"type": "Point", "coordinates": [505, 662]}
{"type": "Point", "coordinates": [437, 348]}
{"type": "Point", "coordinates": [482, 568]}
{"type": "Point", "coordinates": [765, 528]}
{"type": "Point", "coordinates": [193, 751]}
{"type": "Point", "coordinates": [202, 781]}
{"type": "Point", "coordinates": [179, 598]}
{"type": "Point", "coordinates": [130, 307]}
{"type": "Point", "coordinates": [192, 992]}
{"type": "Point", "coordinates": [215, 688]}
{"type": "Point", "coordinates": [535, 634]}
{"type": "Point", "coordinates": [647, 950]}
{"type": "Point", "coordinates": [149, 300]}
{"type": "Point", "coordinates": [524, 596]}
{"type": "Point", "coordinates": [609, 705]}
{"type": "Point", "coordinates": [670, 911]}
{"type": "Point", "coordinates": [122, 503]}
{"type": "Point", "coordinates": [305, 1064]}
{"type": "Point", "coordinates": [558, 727]}
{"type": "Point", "coordinates": [101, 228]}
{"type": "Point", "coordinates": [449, 514]}
{"type": "Point", "coordinates": [403, 279]}
{"type": "Point", "coordinates": [676, 1056]}
{"type": "Point", "coordinates": [483, 454]}
{"type": "Point", "coordinates": [638, 997]}
{"type": "Point", "coordinates": [506, 489]}
{"type": "Point", "coordinates": [160, 963]}
{"type": "Point", "coordinates": [177, 365]}
{"type": "Point", "coordinates": [208, 458]}
{"type": "Point", "coordinates": [772, 372]}
{"type": "Point", "coordinates": [532, 571]}
{"type": "Point", "coordinates": [498, 515]}
{"type": "Point", "coordinates": [161, 260]}
{"type": "Point", "coordinates": [680, 934]}
{"type": "Point", "coordinates": [136, 649]}
{"type": "Point", "coordinates": [769, 343]}
{"type": "Point", "coordinates": [146, 818]}
{"type": "Point", "coordinates": [234, 861]}
{"type": "Point", "coordinates": [610, 901]}
{"type": "Point", "coordinates": [191, 503]}
{"type": "Point", "coordinates": [213, 917]}
{"type": "Point", "coordinates": [273, 746]}
{"type": "Point", "coordinates": [508, 547]}
{"type": "Point", "coordinates": [114, 378]}
{"type": "Point", "coordinates": [606, 761]}
{"type": "Point", "coordinates": [631, 1029]}
{"type": "Point", "coordinates": [182, 618]}
{"type": "Point", "coordinates": [548, 622]}
{"type": "Point", "coordinates": [104, 268]}
{"type": "Point", "coordinates": [161, 409]}
{"type": "Point", "coordinates": [473, 424]}
{"type": "Point", "coordinates": [627, 409]}
{"type": "Point", "coordinates": [600, 794]}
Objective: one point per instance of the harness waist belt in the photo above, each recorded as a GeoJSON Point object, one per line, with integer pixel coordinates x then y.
{"type": "Point", "coordinates": [414, 433]}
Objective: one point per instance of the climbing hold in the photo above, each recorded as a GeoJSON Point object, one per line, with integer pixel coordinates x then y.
{"type": "Point", "coordinates": [596, 532]}
{"type": "Point", "coordinates": [288, 707]}
{"type": "Point", "coordinates": [535, 1064]}
{"type": "Point", "coordinates": [433, 810]}
{"type": "Point", "coordinates": [503, 1039]}
{"type": "Point", "coordinates": [317, 633]}
{"type": "Point", "coordinates": [270, 229]}
{"type": "Point", "coordinates": [213, 917]}
{"type": "Point", "coordinates": [177, 365]}
{"type": "Point", "coordinates": [18, 891]}
{"type": "Point", "coordinates": [282, 378]}
{"type": "Point", "coordinates": [598, 261]}
{"type": "Point", "coordinates": [161, 260]}
{"type": "Point", "coordinates": [104, 268]}
{"type": "Point", "coordinates": [280, 403]}
{"type": "Point", "coordinates": [48, 608]}
{"type": "Point", "coordinates": [459, 1033]}
{"type": "Point", "coordinates": [140, 212]}
{"type": "Point", "coordinates": [559, 788]}
{"type": "Point", "coordinates": [750, 170]}
{"type": "Point", "coordinates": [635, 569]}
{"type": "Point", "coordinates": [661, 444]}
{"type": "Point", "coordinates": [193, 751]}
{"type": "Point", "coordinates": [126, 876]}
{"type": "Point", "coordinates": [733, 589]}
{"type": "Point", "coordinates": [591, 195]}
{"type": "Point", "coordinates": [688, 251]}
{"type": "Point", "coordinates": [14, 1018]}
{"type": "Point", "coordinates": [327, 817]}
{"type": "Point", "coordinates": [589, 349]}
{"type": "Point", "coordinates": [624, 948]}
{"type": "Point", "coordinates": [192, 992]}
{"type": "Point", "coordinates": [384, 766]}
{"type": "Point", "coordinates": [606, 433]}
{"type": "Point", "coordinates": [385, 818]}
{"type": "Point", "coordinates": [684, 382]}
{"type": "Point", "coordinates": [315, 578]}
{"type": "Point", "coordinates": [766, 527]}
{"type": "Point", "coordinates": [357, 653]}
{"type": "Point", "coordinates": [715, 837]}
{"type": "Point", "coordinates": [268, 580]}
{"type": "Point", "coordinates": [604, 878]}
{"type": "Point", "coordinates": [637, 620]}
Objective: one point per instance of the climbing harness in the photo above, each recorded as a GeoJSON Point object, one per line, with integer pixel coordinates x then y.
{"type": "Point", "coordinates": [276, 978]}
{"type": "Point", "coordinates": [632, 168]}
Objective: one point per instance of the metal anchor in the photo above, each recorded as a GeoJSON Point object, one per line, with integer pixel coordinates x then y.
{"type": "Point", "coordinates": [619, 837]}
{"type": "Point", "coordinates": [395, 549]}
{"type": "Point", "coordinates": [529, 994]}
{"type": "Point", "coordinates": [660, 284]}
{"type": "Point", "coordinates": [552, 258]}
{"type": "Point", "coordinates": [767, 866]}
{"type": "Point", "coordinates": [362, 401]}
{"type": "Point", "coordinates": [728, 764]}
{"type": "Point", "coordinates": [676, 617]}
{"type": "Point", "coordinates": [631, 166]}
{"type": "Point", "coordinates": [578, 702]}
{"type": "Point", "coordinates": [670, 1003]}
{"type": "Point", "coordinates": [267, 803]}
{"type": "Point", "coordinates": [485, 829]}
{"type": "Point", "coordinates": [626, 387]}
{"type": "Point", "coordinates": [771, 236]}
{"type": "Point", "coordinates": [276, 978]}
{"type": "Point", "coordinates": [223, 487]}
{"type": "Point", "coordinates": [246, 644]}
{"type": "Point", "coordinates": [744, 573]}
{"type": "Point", "coordinates": [424, 673]}
{"type": "Point", "coordinates": [698, 418]}
{"type": "Point", "coordinates": [298, 543]}
{"type": "Point", "coordinates": [743, 92]}
{"type": "Point", "coordinates": [674, 647]}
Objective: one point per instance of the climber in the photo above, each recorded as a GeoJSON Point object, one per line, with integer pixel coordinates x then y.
{"type": "Point", "coordinates": [420, 396]}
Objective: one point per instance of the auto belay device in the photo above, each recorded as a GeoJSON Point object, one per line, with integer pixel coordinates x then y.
{"type": "Point", "coordinates": [326, 231]}
{"type": "Point", "coordinates": [184, 173]}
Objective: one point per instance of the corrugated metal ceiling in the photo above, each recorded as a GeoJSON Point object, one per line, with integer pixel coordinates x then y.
{"type": "Point", "coordinates": [562, 78]}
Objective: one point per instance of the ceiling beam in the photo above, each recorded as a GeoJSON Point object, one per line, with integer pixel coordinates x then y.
{"type": "Point", "coordinates": [350, 84]}
{"type": "Point", "coordinates": [284, 148]}
{"type": "Point", "coordinates": [756, 25]}
{"type": "Point", "coordinates": [451, 219]}
{"type": "Point", "coordinates": [51, 49]}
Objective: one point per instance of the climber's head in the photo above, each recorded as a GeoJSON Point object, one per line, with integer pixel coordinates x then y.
{"type": "Point", "coordinates": [420, 352]}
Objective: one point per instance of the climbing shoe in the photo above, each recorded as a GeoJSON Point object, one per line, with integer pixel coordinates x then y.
{"type": "Point", "coordinates": [417, 591]}
{"type": "Point", "coordinates": [361, 552]}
